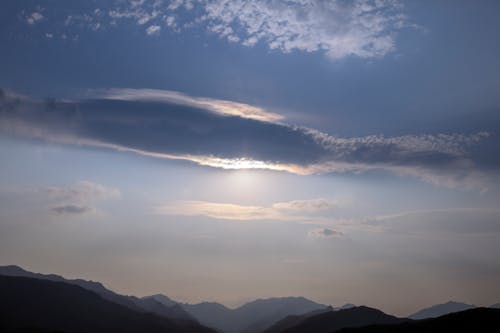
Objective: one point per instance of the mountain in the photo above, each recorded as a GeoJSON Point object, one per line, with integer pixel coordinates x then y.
{"type": "Point", "coordinates": [96, 287]}
{"type": "Point", "coordinates": [162, 299]}
{"type": "Point", "coordinates": [334, 320]}
{"type": "Point", "coordinates": [495, 306]}
{"type": "Point", "coordinates": [440, 310]}
{"type": "Point", "coordinates": [294, 320]}
{"type": "Point", "coordinates": [131, 302]}
{"type": "Point", "coordinates": [254, 316]}
{"type": "Point", "coordinates": [174, 311]}
{"type": "Point", "coordinates": [474, 320]}
{"type": "Point", "coordinates": [41, 305]}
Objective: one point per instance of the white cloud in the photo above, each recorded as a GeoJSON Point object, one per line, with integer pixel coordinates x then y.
{"type": "Point", "coordinates": [338, 28]}
{"type": "Point", "coordinates": [34, 18]}
{"type": "Point", "coordinates": [222, 107]}
{"type": "Point", "coordinates": [153, 30]}
{"type": "Point", "coordinates": [363, 28]}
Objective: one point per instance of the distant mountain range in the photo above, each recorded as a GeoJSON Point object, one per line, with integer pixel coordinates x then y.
{"type": "Point", "coordinates": [33, 302]}
{"type": "Point", "coordinates": [40, 305]}
{"type": "Point", "coordinates": [252, 317]}
{"type": "Point", "coordinates": [484, 320]}
{"type": "Point", "coordinates": [173, 311]}
{"type": "Point", "coordinates": [331, 321]}
{"type": "Point", "coordinates": [439, 310]}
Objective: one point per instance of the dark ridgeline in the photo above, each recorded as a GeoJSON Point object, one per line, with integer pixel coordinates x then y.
{"type": "Point", "coordinates": [484, 320]}
{"type": "Point", "coordinates": [33, 302]}
{"type": "Point", "coordinates": [293, 320]}
{"type": "Point", "coordinates": [147, 304]}
{"type": "Point", "coordinates": [40, 305]}
{"type": "Point", "coordinates": [334, 320]}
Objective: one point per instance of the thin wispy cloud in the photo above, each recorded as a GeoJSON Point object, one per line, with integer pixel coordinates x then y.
{"type": "Point", "coordinates": [222, 107]}
{"type": "Point", "coordinates": [302, 213]}
{"type": "Point", "coordinates": [232, 135]}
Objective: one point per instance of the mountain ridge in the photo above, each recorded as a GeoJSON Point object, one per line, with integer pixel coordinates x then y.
{"type": "Point", "coordinates": [438, 310]}
{"type": "Point", "coordinates": [42, 304]}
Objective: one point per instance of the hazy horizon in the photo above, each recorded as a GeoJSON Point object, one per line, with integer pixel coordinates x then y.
{"type": "Point", "coordinates": [211, 150]}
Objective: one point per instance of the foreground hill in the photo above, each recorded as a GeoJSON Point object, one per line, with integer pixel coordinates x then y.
{"type": "Point", "coordinates": [334, 320]}
{"type": "Point", "coordinates": [172, 311]}
{"type": "Point", "coordinates": [475, 320]}
{"type": "Point", "coordinates": [439, 310]}
{"type": "Point", "coordinates": [40, 305]}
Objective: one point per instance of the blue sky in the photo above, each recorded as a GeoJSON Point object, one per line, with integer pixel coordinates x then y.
{"type": "Point", "coordinates": [228, 150]}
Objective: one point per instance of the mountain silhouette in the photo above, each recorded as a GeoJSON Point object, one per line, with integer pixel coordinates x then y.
{"type": "Point", "coordinates": [134, 303]}
{"type": "Point", "coordinates": [38, 305]}
{"type": "Point", "coordinates": [440, 310]}
{"type": "Point", "coordinates": [96, 287]}
{"type": "Point", "coordinates": [334, 320]}
{"type": "Point", "coordinates": [165, 300]}
{"type": "Point", "coordinates": [254, 316]}
{"type": "Point", "coordinates": [474, 320]}
{"type": "Point", "coordinates": [294, 320]}
{"type": "Point", "coordinates": [495, 306]}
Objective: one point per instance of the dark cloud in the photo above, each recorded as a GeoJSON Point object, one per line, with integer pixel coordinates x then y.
{"type": "Point", "coordinates": [71, 209]}
{"type": "Point", "coordinates": [324, 233]}
{"type": "Point", "coordinates": [181, 129]}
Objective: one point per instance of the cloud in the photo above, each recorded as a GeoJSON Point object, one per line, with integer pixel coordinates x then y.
{"type": "Point", "coordinates": [232, 135]}
{"type": "Point", "coordinates": [459, 220]}
{"type": "Point", "coordinates": [324, 233]}
{"type": "Point", "coordinates": [222, 107]}
{"type": "Point", "coordinates": [313, 205]}
{"type": "Point", "coordinates": [34, 18]}
{"type": "Point", "coordinates": [83, 191]}
{"type": "Point", "coordinates": [283, 211]}
{"type": "Point", "coordinates": [153, 30]}
{"type": "Point", "coordinates": [71, 209]}
{"type": "Point", "coordinates": [78, 199]}
{"type": "Point", "coordinates": [337, 28]}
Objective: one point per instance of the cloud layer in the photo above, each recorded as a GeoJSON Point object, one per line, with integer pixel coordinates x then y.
{"type": "Point", "coordinates": [232, 135]}
{"type": "Point", "coordinates": [363, 28]}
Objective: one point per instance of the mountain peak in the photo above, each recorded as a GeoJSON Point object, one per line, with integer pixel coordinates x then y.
{"type": "Point", "coordinates": [441, 309]}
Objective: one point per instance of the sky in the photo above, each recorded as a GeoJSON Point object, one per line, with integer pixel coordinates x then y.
{"type": "Point", "coordinates": [345, 151]}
